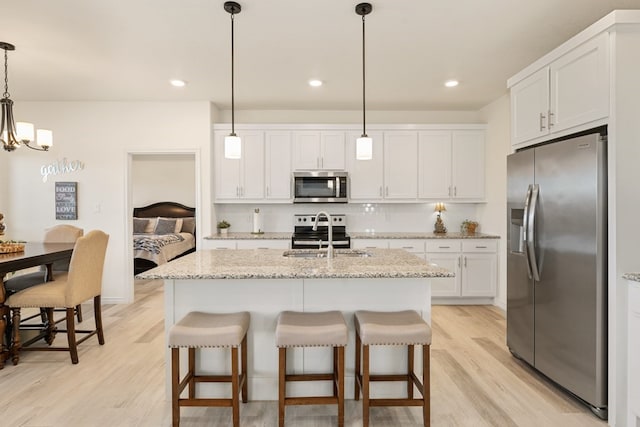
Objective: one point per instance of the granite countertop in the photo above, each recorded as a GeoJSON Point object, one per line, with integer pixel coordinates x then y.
{"type": "Point", "coordinates": [418, 235]}
{"type": "Point", "coordinates": [634, 277]}
{"type": "Point", "coordinates": [271, 264]}
{"type": "Point", "coordinates": [356, 235]}
{"type": "Point", "coordinates": [250, 236]}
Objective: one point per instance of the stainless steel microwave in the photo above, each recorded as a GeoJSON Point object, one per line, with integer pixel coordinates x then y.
{"type": "Point", "coordinates": [320, 187]}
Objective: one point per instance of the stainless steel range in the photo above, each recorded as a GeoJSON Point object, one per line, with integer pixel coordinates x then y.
{"type": "Point", "coordinates": [304, 237]}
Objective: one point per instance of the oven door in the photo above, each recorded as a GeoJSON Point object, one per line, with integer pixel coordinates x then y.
{"type": "Point", "coordinates": [298, 243]}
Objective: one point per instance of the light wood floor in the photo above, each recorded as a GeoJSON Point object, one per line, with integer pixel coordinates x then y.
{"type": "Point", "coordinates": [475, 380]}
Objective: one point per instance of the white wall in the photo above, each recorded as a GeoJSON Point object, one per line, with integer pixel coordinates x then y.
{"type": "Point", "coordinates": [163, 177]}
{"type": "Point", "coordinates": [493, 214]}
{"type": "Point", "coordinates": [100, 134]}
{"type": "Point", "coordinates": [624, 205]}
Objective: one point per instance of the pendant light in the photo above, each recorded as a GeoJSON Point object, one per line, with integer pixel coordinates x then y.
{"type": "Point", "coordinates": [14, 134]}
{"type": "Point", "coordinates": [232, 143]}
{"type": "Point", "coordinates": [364, 144]}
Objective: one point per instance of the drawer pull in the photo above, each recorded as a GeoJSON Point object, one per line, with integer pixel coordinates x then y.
{"type": "Point", "coordinates": [481, 247]}
{"type": "Point", "coordinates": [407, 247]}
{"type": "Point", "coordinates": [444, 247]}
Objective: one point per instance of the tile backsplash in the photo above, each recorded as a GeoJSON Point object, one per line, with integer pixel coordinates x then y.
{"type": "Point", "coordinates": [378, 217]}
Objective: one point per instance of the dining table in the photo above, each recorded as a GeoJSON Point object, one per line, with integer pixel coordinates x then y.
{"type": "Point", "coordinates": [35, 254]}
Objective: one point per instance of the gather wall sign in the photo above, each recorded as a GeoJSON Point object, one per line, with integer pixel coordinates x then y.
{"type": "Point", "coordinates": [59, 167]}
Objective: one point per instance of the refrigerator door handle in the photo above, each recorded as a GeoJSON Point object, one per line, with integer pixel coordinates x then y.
{"type": "Point", "coordinates": [531, 232]}
{"type": "Point", "coordinates": [525, 226]}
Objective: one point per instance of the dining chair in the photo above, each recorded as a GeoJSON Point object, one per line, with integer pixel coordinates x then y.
{"type": "Point", "coordinates": [81, 283]}
{"type": "Point", "coordinates": [62, 233]}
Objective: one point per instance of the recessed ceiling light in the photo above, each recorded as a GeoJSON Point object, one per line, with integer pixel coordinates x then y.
{"type": "Point", "coordinates": [315, 83]}
{"type": "Point", "coordinates": [451, 83]}
{"type": "Point", "coordinates": [178, 83]}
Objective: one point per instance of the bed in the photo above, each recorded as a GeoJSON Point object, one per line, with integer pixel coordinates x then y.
{"type": "Point", "coordinates": [161, 232]}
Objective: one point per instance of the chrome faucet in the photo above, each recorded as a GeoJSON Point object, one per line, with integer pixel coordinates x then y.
{"type": "Point", "coordinates": [315, 228]}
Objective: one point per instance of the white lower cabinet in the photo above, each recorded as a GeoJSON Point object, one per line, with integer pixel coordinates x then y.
{"type": "Point", "coordinates": [245, 244]}
{"type": "Point", "coordinates": [218, 244]}
{"type": "Point", "coordinates": [414, 246]}
{"type": "Point", "coordinates": [370, 243]}
{"type": "Point", "coordinates": [475, 263]}
{"type": "Point", "coordinates": [263, 244]}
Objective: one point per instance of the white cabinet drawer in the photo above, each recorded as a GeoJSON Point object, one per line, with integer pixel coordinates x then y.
{"type": "Point", "coordinates": [479, 245]}
{"type": "Point", "coordinates": [263, 244]}
{"type": "Point", "coordinates": [444, 245]}
{"type": "Point", "coordinates": [218, 244]}
{"type": "Point", "coordinates": [369, 243]}
{"type": "Point", "coordinates": [409, 245]}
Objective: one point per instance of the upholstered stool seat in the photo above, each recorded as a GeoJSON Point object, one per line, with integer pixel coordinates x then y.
{"type": "Point", "coordinates": [206, 330]}
{"type": "Point", "coordinates": [405, 328]}
{"type": "Point", "coordinates": [308, 329]}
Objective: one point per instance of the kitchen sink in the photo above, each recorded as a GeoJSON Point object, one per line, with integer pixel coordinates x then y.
{"type": "Point", "coordinates": [337, 253]}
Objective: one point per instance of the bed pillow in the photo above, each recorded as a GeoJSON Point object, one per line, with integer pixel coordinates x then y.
{"type": "Point", "coordinates": [165, 226]}
{"type": "Point", "coordinates": [151, 225]}
{"type": "Point", "coordinates": [140, 225]}
{"type": "Point", "coordinates": [189, 225]}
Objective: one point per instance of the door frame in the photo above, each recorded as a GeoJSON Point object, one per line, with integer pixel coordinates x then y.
{"type": "Point", "coordinates": [128, 202]}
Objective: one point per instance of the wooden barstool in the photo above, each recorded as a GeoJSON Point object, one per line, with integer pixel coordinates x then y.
{"type": "Point", "coordinates": [393, 328]}
{"type": "Point", "coordinates": [307, 329]}
{"type": "Point", "coordinates": [202, 330]}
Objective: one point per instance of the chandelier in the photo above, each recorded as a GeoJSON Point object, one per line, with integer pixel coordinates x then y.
{"type": "Point", "coordinates": [14, 134]}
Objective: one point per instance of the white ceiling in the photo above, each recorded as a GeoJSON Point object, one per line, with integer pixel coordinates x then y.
{"type": "Point", "coordinates": [127, 50]}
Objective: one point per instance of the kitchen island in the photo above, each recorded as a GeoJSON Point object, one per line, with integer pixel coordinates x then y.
{"type": "Point", "coordinates": [264, 282]}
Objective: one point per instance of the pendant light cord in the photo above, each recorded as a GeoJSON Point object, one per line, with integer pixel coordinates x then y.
{"type": "Point", "coordinates": [233, 132]}
{"type": "Point", "coordinates": [6, 76]}
{"type": "Point", "coordinates": [364, 114]}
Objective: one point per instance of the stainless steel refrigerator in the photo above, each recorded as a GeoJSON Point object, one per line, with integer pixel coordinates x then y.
{"type": "Point", "coordinates": [557, 264]}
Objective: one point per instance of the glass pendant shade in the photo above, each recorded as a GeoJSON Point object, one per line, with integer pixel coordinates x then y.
{"type": "Point", "coordinates": [25, 131]}
{"type": "Point", "coordinates": [364, 148]}
{"type": "Point", "coordinates": [44, 138]}
{"type": "Point", "coordinates": [232, 147]}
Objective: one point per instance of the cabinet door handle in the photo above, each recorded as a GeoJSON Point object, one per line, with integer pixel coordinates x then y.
{"type": "Point", "coordinates": [455, 191]}
{"type": "Point", "coordinates": [550, 119]}
{"type": "Point", "coordinates": [380, 191]}
{"type": "Point", "coordinates": [542, 126]}
{"type": "Point", "coordinates": [387, 191]}
{"type": "Point", "coordinates": [449, 191]}
{"type": "Point", "coordinates": [322, 162]}
{"type": "Point", "coordinates": [465, 262]}
{"type": "Point", "coordinates": [237, 191]}
{"type": "Point", "coordinates": [458, 262]}
{"type": "Point", "coordinates": [267, 191]}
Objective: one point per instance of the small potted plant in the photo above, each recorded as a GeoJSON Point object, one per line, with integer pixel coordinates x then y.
{"type": "Point", "coordinates": [223, 227]}
{"type": "Point", "coordinates": [469, 227]}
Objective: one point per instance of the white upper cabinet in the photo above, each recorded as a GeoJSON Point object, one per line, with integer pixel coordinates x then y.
{"type": "Point", "coordinates": [529, 107]}
{"type": "Point", "coordinates": [434, 160]}
{"type": "Point", "coordinates": [580, 85]}
{"type": "Point", "coordinates": [468, 165]}
{"type": "Point", "coordinates": [319, 150]}
{"type": "Point", "coordinates": [366, 177]}
{"type": "Point", "coordinates": [277, 165]}
{"type": "Point", "coordinates": [451, 165]}
{"type": "Point", "coordinates": [564, 95]}
{"type": "Point", "coordinates": [240, 179]}
{"type": "Point", "coordinates": [401, 165]}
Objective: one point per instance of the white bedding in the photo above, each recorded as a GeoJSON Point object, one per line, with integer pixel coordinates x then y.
{"type": "Point", "coordinates": [167, 252]}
